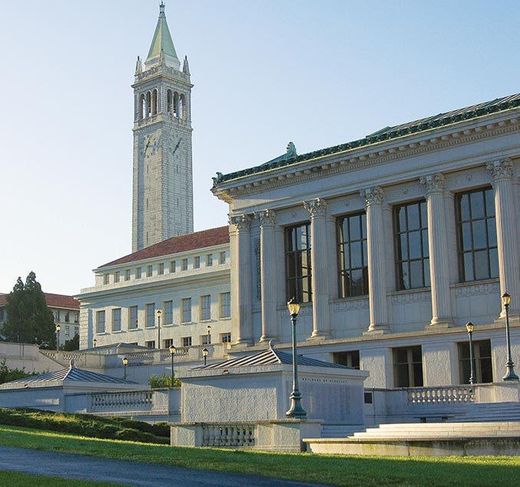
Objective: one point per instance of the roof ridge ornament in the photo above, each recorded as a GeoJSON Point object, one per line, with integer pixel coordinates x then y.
{"type": "Point", "coordinates": [72, 364]}
{"type": "Point", "coordinates": [271, 348]}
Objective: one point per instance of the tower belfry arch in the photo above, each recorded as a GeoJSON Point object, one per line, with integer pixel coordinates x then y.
{"type": "Point", "coordinates": [162, 200]}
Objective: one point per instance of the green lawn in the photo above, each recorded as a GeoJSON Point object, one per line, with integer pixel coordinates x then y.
{"type": "Point", "coordinates": [16, 479]}
{"type": "Point", "coordinates": [334, 470]}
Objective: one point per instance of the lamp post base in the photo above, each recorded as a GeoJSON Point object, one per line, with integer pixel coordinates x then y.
{"type": "Point", "coordinates": [296, 410]}
{"type": "Point", "coordinates": [510, 374]}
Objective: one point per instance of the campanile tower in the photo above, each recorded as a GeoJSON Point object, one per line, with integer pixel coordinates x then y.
{"type": "Point", "coordinates": [162, 169]}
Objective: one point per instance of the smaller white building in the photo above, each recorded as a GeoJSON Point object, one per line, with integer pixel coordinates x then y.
{"type": "Point", "coordinates": [186, 278]}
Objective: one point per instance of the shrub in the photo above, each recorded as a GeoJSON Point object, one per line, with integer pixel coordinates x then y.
{"type": "Point", "coordinates": [163, 381]}
{"type": "Point", "coordinates": [7, 374]}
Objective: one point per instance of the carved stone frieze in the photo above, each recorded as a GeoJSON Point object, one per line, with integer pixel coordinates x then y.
{"type": "Point", "coordinates": [351, 304]}
{"type": "Point", "coordinates": [411, 297]}
{"type": "Point", "coordinates": [500, 169]}
{"type": "Point", "coordinates": [434, 183]}
{"type": "Point", "coordinates": [316, 207]}
{"type": "Point", "coordinates": [482, 289]}
{"type": "Point", "coordinates": [373, 196]}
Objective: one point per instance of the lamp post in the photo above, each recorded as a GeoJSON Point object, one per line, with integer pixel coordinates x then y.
{"type": "Point", "coordinates": [296, 410]}
{"type": "Point", "coordinates": [470, 327]}
{"type": "Point", "coordinates": [510, 372]}
{"type": "Point", "coordinates": [205, 355]}
{"type": "Point", "coordinates": [125, 364]}
{"type": "Point", "coordinates": [58, 328]}
{"type": "Point", "coordinates": [172, 353]}
{"type": "Point", "coordinates": [95, 342]}
{"type": "Point", "coordinates": [209, 335]}
{"type": "Point", "coordinates": [158, 313]}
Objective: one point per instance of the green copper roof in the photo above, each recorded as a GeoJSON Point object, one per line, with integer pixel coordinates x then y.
{"type": "Point", "coordinates": [385, 134]}
{"type": "Point", "coordinates": [162, 40]}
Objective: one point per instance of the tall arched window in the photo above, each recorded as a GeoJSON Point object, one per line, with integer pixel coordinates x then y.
{"type": "Point", "coordinates": [154, 102]}
{"type": "Point", "coordinates": [142, 106]}
{"type": "Point", "coordinates": [148, 104]}
{"type": "Point", "coordinates": [182, 107]}
{"type": "Point", "coordinates": [176, 104]}
{"type": "Point", "coordinates": [169, 101]}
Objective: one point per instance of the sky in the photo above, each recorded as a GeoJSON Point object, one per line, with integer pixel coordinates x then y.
{"type": "Point", "coordinates": [266, 72]}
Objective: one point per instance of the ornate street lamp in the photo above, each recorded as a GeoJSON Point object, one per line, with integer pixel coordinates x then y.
{"type": "Point", "coordinates": [296, 410]}
{"type": "Point", "coordinates": [510, 374]}
{"type": "Point", "coordinates": [58, 328]}
{"type": "Point", "coordinates": [172, 353]}
{"type": "Point", "coordinates": [470, 327]}
{"type": "Point", "coordinates": [95, 342]}
{"type": "Point", "coordinates": [205, 355]}
{"type": "Point", "coordinates": [125, 365]}
{"type": "Point", "coordinates": [209, 335]}
{"type": "Point", "coordinates": [158, 313]}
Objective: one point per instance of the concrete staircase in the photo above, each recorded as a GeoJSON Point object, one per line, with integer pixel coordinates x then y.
{"type": "Point", "coordinates": [432, 439]}
{"type": "Point", "coordinates": [340, 430]}
{"type": "Point", "coordinates": [503, 411]}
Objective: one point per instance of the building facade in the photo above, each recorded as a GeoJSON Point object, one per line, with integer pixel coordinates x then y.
{"type": "Point", "coordinates": [64, 308]}
{"type": "Point", "coordinates": [391, 243]}
{"type": "Point", "coordinates": [162, 170]}
{"type": "Point", "coordinates": [186, 278]}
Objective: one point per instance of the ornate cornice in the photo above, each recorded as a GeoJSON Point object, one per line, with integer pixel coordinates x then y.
{"type": "Point", "coordinates": [500, 169]}
{"type": "Point", "coordinates": [434, 183]}
{"type": "Point", "coordinates": [373, 196]}
{"type": "Point", "coordinates": [266, 217]}
{"type": "Point", "coordinates": [371, 156]}
{"type": "Point", "coordinates": [316, 207]}
{"type": "Point", "coordinates": [241, 222]}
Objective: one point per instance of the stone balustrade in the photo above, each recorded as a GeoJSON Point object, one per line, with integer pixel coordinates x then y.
{"type": "Point", "coordinates": [240, 434]}
{"type": "Point", "coordinates": [121, 401]}
{"type": "Point", "coordinates": [441, 395]}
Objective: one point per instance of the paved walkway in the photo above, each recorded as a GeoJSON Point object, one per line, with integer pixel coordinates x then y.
{"type": "Point", "coordinates": [120, 472]}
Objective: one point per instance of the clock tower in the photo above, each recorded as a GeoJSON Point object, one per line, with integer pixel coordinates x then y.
{"type": "Point", "coordinates": [162, 170]}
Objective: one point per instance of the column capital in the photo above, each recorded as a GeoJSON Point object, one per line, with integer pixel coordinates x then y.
{"type": "Point", "coordinates": [500, 169]}
{"type": "Point", "coordinates": [373, 196]}
{"type": "Point", "coordinates": [434, 183]}
{"type": "Point", "coordinates": [241, 222]}
{"type": "Point", "coordinates": [316, 207]}
{"type": "Point", "coordinates": [266, 217]}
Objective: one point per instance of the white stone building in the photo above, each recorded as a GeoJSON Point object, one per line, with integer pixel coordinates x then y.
{"type": "Point", "coordinates": [186, 277]}
{"type": "Point", "coordinates": [64, 308]}
{"type": "Point", "coordinates": [162, 174]}
{"type": "Point", "coordinates": [391, 243]}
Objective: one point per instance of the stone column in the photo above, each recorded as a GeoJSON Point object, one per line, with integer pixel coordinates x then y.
{"type": "Point", "coordinates": [376, 259]}
{"type": "Point", "coordinates": [317, 209]}
{"type": "Point", "coordinates": [268, 274]}
{"type": "Point", "coordinates": [438, 250]}
{"type": "Point", "coordinates": [241, 279]}
{"type": "Point", "coordinates": [507, 236]}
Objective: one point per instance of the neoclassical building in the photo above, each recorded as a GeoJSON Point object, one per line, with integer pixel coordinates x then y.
{"type": "Point", "coordinates": [392, 243]}
{"type": "Point", "coordinates": [185, 277]}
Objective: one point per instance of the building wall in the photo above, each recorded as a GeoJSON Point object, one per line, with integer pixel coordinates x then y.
{"type": "Point", "coordinates": [157, 288]}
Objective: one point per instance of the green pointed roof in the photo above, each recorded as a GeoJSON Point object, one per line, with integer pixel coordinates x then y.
{"type": "Point", "coordinates": [162, 41]}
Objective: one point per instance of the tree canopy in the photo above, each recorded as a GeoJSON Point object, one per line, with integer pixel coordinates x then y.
{"type": "Point", "coordinates": [29, 320]}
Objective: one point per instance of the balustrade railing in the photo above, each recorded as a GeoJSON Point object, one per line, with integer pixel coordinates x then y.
{"type": "Point", "coordinates": [228, 435]}
{"type": "Point", "coordinates": [121, 401]}
{"type": "Point", "coordinates": [441, 395]}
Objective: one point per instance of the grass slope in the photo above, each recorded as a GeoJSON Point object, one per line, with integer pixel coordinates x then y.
{"type": "Point", "coordinates": [334, 470]}
{"type": "Point", "coordinates": [17, 479]}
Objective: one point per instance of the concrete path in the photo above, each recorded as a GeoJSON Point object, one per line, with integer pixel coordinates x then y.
{"type": "Point", "coordinates": [119, 472]}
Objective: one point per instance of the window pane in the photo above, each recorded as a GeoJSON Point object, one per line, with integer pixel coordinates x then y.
{"type": "Point", "coordinates": [405, 278]}
{"type": "Point", "coordinates": [493, 263]}
{"type": "Point", "coordinates": [403, 248]}
{"type": "Point", "coordinates": [490, 202]}
{"type": "Point", "coordinates": [464, 207]}
{"type": "Point", "coordinates": [426, 272]}
{"type": "Point", "coordinates": [468, 267]}
{"type": "Point", "coordinates": [413, 216]}
{"type": "Point", "coordinates": [481, 265]}
{"type": "Point", "coordinates": [466, 236]}
{"type": "Point", "coordinates": [355, 231]}
{"type": "Point", "coordinates": [425, 248]}
{"type": "Point", "coordinates": [492, 232]}
{"type": "Point", "coordinates": [356, 256]}
{"type": "Point", "coordinates": [477, 204]}
{"type": "Point", "coordinates": [479, 234]}
{"type": "Point", "coordinates": [416, 275]}
{"type": "Point", "coordinates": [414, 242]}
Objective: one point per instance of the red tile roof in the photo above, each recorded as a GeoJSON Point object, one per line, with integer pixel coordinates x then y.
{"type": "Point", "coordinates": [183, 243]}
{"type": "Point", "coordinates": [52, 300]}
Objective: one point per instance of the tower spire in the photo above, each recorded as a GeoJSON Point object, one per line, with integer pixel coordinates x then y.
{"type": "Point", "coordinates": [162, 41]}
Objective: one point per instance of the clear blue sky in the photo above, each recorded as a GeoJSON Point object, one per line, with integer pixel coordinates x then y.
{"type": "Point", "coordinates": [266, 72]}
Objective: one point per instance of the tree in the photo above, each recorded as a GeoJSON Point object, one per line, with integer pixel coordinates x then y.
{"type": "Point", "coordinates": [72, 344]}
{"type": "Point", "coordinates": [29, 320]}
